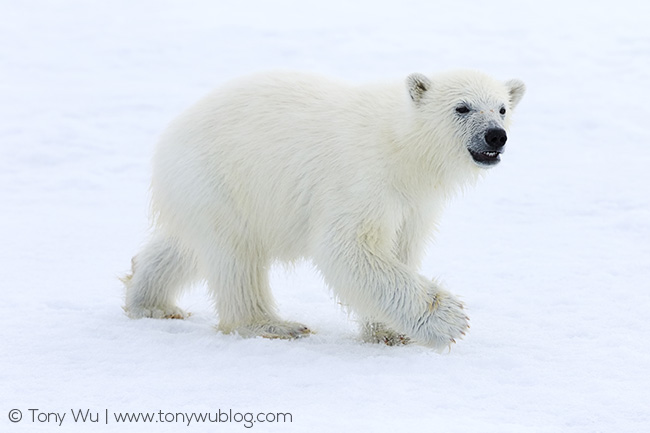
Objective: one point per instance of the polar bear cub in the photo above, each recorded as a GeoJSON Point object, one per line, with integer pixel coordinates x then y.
{"type": "Point", "coordinates": [284, 166]}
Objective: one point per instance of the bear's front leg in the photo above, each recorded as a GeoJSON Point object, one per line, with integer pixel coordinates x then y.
{"type": "Point", "coordinates": [374, 283]}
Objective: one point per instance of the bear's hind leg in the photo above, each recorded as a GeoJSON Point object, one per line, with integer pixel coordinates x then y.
{"type": "Point", "coordinates": [159, 273]}
{"type": "Point", "coordinates": [245, 305]}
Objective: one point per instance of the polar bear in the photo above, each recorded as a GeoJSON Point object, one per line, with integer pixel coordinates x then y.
{"type": "Point", "coordinates": [282, 166]}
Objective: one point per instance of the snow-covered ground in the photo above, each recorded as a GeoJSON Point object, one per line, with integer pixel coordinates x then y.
{"type": "Point", "coordinates": [551, 252]}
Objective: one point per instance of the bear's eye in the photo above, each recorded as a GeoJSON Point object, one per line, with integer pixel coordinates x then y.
{"type": "Point", "coordinates": [463, 109]}
{"type": "Point", "coordinates": [502, 111]}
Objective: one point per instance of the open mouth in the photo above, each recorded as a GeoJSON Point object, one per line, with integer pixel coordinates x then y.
{"type": "Point", "coordinates": [486, 158]}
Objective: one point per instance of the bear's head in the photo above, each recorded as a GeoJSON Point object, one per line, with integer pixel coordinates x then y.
{"type": "Point", "coordinates": [466, 111]}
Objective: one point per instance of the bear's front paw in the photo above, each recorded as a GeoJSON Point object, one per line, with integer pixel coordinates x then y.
{"type": "Point", "coordinates": [443, 322]}
{"type": "Point", "coordinates": [376, 332]}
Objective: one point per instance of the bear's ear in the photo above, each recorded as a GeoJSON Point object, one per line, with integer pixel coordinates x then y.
{"type": "Point", "coordinates": [516, 89]}
{"type": "Point", "coordinates": [417, 85]}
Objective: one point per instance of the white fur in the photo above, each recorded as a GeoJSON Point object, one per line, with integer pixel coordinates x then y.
{"type": "Point", "coordinates": [283, 166]}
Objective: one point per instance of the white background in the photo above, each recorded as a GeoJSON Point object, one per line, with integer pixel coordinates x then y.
{"type": "Point", "coordinates": [551, 253]}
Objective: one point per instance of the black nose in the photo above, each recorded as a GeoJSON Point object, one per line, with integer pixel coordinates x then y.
{"type": "Point", "coordinates": [496, 138]}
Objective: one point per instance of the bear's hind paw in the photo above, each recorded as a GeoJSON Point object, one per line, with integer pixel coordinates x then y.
{"type": "Point", "coordinates": [275, 330]}
{"type": "Point", "coordinates": [156, 313]}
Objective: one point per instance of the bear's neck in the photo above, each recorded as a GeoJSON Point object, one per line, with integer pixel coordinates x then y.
{"type": "Point", "coordinates": [420, 168]}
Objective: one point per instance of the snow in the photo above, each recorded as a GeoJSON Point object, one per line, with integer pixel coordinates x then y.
{"type": "Point", "coordinates": [551, 252]}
